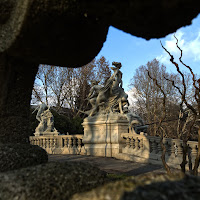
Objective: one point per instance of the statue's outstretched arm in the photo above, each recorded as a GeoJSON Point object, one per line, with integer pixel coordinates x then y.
{"type": "Point", "coordinates": [36, 109]}
{"type": "Point", "coordinates": [91, 94]}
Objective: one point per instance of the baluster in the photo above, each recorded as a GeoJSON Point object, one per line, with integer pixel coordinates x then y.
{"type": "Point", "coordinates": [54, 142]}
{"type": "Point", "coordinates": [173, 150]}
{"type": "Point", "coordinates": [51, 142]}
{"type": "Point", "coordinates": [74, 142]}
{"type": "Point", "coordinates": [127, 142]}
{"type": "Point", "coordinates": [154, 146]}
{"type": "Point", "coordinates": [79, 142]}
{"type": "Point", "coordinates": [136, 143]}
{"type": "Point", "coordinates": [70, 142]}
{"type": "Point", "coordinates": [66, 142]}
{"type": "Point", "coordinates": [45, 143]}
{"type": "Point", "coordinates": [159, 148]}
{"type": "Point", "coordinates": [180, 149]}
{"type": "Point", "coordinates": [194, 150]}
{"type": "Point", "coordinates": [132, 145]}
{"type": "Point", "coordinates": [141, 144]}
{"type": "Point", "coordinates": [41, 142]}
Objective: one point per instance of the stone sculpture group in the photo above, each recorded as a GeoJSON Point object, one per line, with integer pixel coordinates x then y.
{"type": "Point", "coordinates": [46, 121]}
{"type": "Point", "coordinates": [111, 98]}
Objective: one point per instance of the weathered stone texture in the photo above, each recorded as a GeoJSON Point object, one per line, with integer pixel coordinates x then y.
{"type": "Point", "coordinates": [145, 187]}
{"type": "Point", "coordinates": [50, 181]}
{"type": "Point", "coordinates": [16, 82]}
{"type": "Point", "coordinates": [51, 32]}
{"type": "Point", "coordinates": [102, 134]}
{"type": "Point", "coordinates": [186, 189]}
{"type": "Point", "coordinates": [15, 156]}
{"type": "Point", "coordinates": [60, 31]}
{"type": "Point", "coordinates": [68, 33]}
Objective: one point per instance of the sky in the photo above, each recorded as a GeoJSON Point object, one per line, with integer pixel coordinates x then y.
{"type": "Point", "coordinates": [133, 51]}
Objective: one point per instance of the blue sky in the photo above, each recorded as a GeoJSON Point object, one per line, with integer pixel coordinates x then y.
{"type": "Point", "coordinates": [133, 51]}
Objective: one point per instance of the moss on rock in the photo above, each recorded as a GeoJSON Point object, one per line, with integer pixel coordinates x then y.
{"type": "Point", "coordinates": [127, 188]}
{"type": "Point", "coordinates": [15, 156]}
{"type": "Point", "coordinates": [50, 181]}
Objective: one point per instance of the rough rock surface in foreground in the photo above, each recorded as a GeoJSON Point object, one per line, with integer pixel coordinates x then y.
{"type": "Point", "coordinates": [15, 156]}
{"type": "Point", "coordinates": [146, 187]}
{"type": "Point", "coordinates": [50, 181]}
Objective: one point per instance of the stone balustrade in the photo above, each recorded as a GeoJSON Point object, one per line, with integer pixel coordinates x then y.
{"type": "Point", "coordinates": [134, 147]}
{"type": "Point", "coordinates": [143, 148]}
{"type": "Point", "coordinates": [61, 144]}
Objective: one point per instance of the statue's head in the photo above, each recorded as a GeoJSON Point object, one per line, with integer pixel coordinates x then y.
{"type": "Point", "coordinates": [117, 64]}
{"type": "Point", "coordinates": [94, 82]}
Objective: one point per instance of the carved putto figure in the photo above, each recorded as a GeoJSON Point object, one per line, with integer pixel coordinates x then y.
{"type": "Point", "coordinates": [46, 119]}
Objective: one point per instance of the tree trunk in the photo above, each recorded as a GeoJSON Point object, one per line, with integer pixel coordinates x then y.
{"type": "Point", "coordinates": [16, 83]}
{"type": "Point", "coordinates": [185, 150]}
{"type": "Point", "coordinates": [196, 164]}
{"type": "Point", "coordinates": [166, 166]}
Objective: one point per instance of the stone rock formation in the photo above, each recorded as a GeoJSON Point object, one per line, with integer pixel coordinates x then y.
{"type": "Point", "coordinates": [145, 187]}
{"type": "Point", "coordinates": [58, 32]}
{"type": "Point", "coordinates": [50, 181]}
{"type": "Point", "coordinates": [15, 156]}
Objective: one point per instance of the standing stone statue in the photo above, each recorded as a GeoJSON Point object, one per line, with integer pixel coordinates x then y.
{"type": "Point", "coordinates": [46, 119]}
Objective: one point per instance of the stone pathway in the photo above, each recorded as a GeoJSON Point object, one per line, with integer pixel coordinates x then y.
{"type": "Point", "coordinates": [111, 165]}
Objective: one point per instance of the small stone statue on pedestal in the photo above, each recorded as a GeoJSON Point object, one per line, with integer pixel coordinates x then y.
{"type": "Point", "coordinates": [46, 119]}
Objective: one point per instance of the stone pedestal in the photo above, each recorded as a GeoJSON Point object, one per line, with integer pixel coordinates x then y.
{"type": "Point", "coordinates": [102, 134]}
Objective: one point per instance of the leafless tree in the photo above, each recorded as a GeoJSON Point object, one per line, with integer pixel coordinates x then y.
{"type": "Point", "coordinates": [159, 129]}
{"type": "Point", "coordinates": [195, 108]}
{"type": "Point", "coordinates": [149, 97]}
{"type": "Point", "coordinates": [68, 87]}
